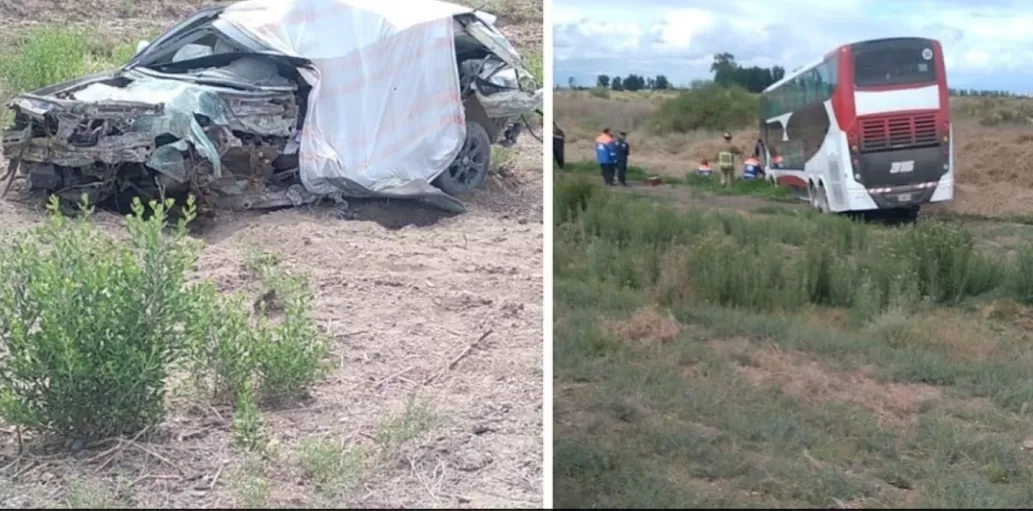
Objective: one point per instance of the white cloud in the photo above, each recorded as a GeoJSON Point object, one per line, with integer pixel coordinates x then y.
{"type": "Point", "coordinates": [987, 44]}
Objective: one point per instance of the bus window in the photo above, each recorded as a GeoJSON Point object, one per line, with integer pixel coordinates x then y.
{"type": "Point", "coordinates": [893, 62]}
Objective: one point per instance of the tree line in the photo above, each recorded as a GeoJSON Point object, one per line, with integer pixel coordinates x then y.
{"type": "Point", "coordinates": [984, 93]}
{"type": "Point", "coordinates": [632, 82]}
{"type": "Point", "coordinates": [726, 72]}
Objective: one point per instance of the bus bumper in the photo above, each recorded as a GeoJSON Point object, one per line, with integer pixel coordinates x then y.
{"type": "Point", "coordinates": [908, 196]}
{"type": "Point", "coordinates": [944, 189]}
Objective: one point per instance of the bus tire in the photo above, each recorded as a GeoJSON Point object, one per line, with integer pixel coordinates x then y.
{"type": "Point", "coordinates": [908, 215]}
{"type": "Point", "coordinates": [818, 198]}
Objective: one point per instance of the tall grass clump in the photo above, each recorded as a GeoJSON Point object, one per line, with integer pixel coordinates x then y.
{"type": "Point", "coordinates": [767, 263]}
{"type": "Point", "coordinates": [269, 345]}
{"type": "Point", "coordinates": [45, 55]}
{"type": "Point", "coordinates": [1021, 282]}
{"type": "Point", "coordinates": [570, 198]}
{"type": "Point", "coordinates": [90, 325]}
{"type": "Point", "coordinates": [710, 107]}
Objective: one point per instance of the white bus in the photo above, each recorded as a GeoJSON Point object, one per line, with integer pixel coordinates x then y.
{"type": "Point", "coordinates": [864, 129]}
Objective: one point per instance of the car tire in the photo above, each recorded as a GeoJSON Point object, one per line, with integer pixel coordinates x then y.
{"type": "Point", "coordinates": [470, 168]}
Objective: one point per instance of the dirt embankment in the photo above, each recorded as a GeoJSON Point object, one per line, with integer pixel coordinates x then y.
{"type": "Point", "coordinates": [993, 155]}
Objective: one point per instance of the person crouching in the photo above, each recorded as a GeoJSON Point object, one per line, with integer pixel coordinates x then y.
{"type": "Point", "coordinates": [751, 168]}
{"type": "Point", "coordinates": [704, 169]}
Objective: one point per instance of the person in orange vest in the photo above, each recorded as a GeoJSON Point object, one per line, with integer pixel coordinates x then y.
{"type": "Point", "coordinates": [704, 169]}
{"type": "Point", "coordinates": [777, 161]}
{"type": "Point", "coordinates": [751, 168]}
{"type": "Point", "coordinates": [606, 155]}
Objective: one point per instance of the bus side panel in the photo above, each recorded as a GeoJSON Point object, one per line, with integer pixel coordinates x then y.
{"type": "Point", "coordinates": [831, 169]}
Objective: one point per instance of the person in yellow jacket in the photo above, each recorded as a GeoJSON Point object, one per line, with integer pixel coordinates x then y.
{"type": "Point", "coordinates": [726, 160]}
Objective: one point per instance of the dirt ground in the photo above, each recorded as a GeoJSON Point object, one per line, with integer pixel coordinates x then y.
{"type": "Point", "coordinates": [993, 158]}
{"type": "Point", "coordinates": [402, 291]}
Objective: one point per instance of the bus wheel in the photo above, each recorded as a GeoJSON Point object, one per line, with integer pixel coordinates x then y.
{"type": "Point", "coordinates": [908, 215]}
{"type": "Point", "coordinates": [818, 199]}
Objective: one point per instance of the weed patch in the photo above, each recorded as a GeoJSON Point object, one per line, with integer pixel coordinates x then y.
{"type": "Point", "coordinates": [811, 361]}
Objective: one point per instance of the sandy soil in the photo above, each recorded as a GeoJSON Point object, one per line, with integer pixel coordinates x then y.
{"type": "Point", "coordinates": [402, 291]}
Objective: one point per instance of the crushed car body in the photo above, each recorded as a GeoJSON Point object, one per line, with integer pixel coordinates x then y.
{"type": "Point", "coordinates": [271, 103]}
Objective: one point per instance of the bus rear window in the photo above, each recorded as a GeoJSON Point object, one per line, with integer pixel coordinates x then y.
{"type": "Point", "coordinates": [877, 65]}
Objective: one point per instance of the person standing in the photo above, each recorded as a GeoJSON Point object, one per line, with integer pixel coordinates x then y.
{"type": "Point", "coordinates": [726, 161]}
{"type": "Point", "coordinates": [623, 150]}
{"type": "Point", "coordinates": [558, 137]}
{"type": "Point", "coordinates": [606, 155]}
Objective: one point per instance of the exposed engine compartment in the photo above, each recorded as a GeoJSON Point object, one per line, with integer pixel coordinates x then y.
{"type": "Point", "coordinates": [207, 118]}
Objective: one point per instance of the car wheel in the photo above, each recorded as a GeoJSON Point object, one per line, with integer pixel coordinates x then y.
{"type": "Point", "coordinates": [470, 168]}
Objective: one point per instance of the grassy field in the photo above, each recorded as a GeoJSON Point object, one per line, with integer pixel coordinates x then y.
{"type": "Point", "coordinates": [248, 363]}
{"type": "Point", "coordinates": [733, 359]}
{"type": "Point", "coordinates": [699, 185]}
{"type": "Point", "coordinates": [994, 156]}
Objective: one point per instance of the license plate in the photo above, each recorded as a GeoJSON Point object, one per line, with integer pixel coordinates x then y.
{"type": "Point", "coordinates": [904, 197]}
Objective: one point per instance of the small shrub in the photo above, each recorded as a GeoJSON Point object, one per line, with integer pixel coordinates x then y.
{"type": "Point", "coordinates": [90, 324]}
{"type": "Point", "coordinates": [570, 198]}
{"type": "Point", "coordinates": [710, 107]}
{"type": "Point", "coordinates": [942, 253]}
{"type": "Point", "coordinates": [329, 466]}
{"type": "Point", "coordinates": [1021, 285]}
{"type": "Point", "coordinates": [228, 347]}
{"type": "Point", "coordinates": [291, 354]}
{"type": "Point", "coordinates": [222, 349]}
{"type": "Point", "coordinates": [248, 428]}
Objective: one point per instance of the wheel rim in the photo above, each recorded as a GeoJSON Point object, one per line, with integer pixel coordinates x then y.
{"type": "Point", "coordinates": [470, 164]}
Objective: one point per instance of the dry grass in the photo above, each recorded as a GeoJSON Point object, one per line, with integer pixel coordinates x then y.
{"type": "Point", "coordinates": [994, 152]}
{"type": "Point", "coordinates": [684, 403]}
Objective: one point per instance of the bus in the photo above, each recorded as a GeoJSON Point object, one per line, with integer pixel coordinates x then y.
{"type": "Point", "coordinates": [864, 129]}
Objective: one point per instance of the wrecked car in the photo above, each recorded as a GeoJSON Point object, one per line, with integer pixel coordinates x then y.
{"type": "Point", "coordinates": [272, 103]}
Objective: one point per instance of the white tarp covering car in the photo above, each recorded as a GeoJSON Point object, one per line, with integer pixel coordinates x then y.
{"type": "Point", "coordinates": [266, 103]}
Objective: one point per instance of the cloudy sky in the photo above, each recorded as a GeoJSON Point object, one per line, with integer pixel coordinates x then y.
{"type": "Point", "coordinates": [988, 43]}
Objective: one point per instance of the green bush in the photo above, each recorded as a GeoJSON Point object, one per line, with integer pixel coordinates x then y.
{"type": "Point", "coordinates": [90, 324]}
{"type": "Point", "coordinates": [710, 107]}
